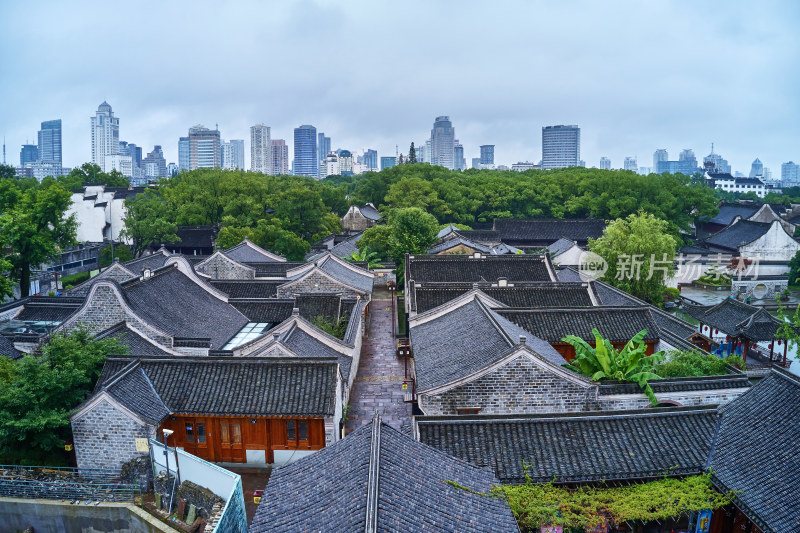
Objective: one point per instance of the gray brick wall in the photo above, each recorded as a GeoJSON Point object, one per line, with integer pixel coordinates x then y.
{"type": "Point", "coordinates": [112, 273]}
{"type": "Point", "coordinates": [221, 267]}
{"type": "Point", "coordinates": [640, 401]}
{"type": "Point", "coordinates": [105, 437]}
{"type": "Point", "coordinates": [355, 221]}
{"type": "Point", "coordinates": [316, 283]}
{"type": "Point", "coordinates": [518, 387]}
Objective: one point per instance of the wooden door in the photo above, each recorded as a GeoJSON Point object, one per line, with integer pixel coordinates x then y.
{"type": "Point", "coordinates": [230, 441]}
{"type": "Point", "coordinates": [196, 436]}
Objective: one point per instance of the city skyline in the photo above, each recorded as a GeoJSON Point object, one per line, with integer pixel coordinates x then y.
{"type": "Point", "coordinates": [746, 108]}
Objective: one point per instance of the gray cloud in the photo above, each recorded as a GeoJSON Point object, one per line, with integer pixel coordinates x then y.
{"type": "Point", "coordinates": [635, 76]}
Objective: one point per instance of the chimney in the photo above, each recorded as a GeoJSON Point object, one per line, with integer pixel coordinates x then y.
{"type": "Point", "coordinates": [295, 311]}
{"type": "Point", "coordinates": [522, 339]}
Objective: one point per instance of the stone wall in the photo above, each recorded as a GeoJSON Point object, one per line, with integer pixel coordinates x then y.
{"type": "Point", "coordinates": [316, 282]}
{"type": "Point", "coordinates": [220, 267]}
{"type": "Point", "coordinates": [520, 386]}
{"type": "Point", "coordinates": [684, 399]}
{"type": "Point", "coordinates": [353, 220]}
{"type": "Point", "coordinates": [104, 437]}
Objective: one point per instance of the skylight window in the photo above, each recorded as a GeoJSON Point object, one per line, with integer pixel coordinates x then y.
{"type": "Point", "coordinates": [249, 332]}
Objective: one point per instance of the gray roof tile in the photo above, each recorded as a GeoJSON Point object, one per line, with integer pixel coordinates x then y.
{"type": "Point", "coordinates": [465, 268]}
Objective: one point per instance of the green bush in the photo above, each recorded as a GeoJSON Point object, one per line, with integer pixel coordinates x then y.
{"type": "Point", "coordinates": [693, 364]}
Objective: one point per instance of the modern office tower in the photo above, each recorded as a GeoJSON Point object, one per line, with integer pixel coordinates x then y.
{"type": "Point", "coordinates": [184, 159]}
{"type": "Point", "coordinates": [306, 160]}
{"type": "Point", "coordinates": [476, 162]}
{"type": "Point", "coordinates": [323, 149]}
{"type": "Point", "coordinates": [659, 156]}
{"type": "Point", "coordinates": [487, 154]}
{"type": "Point", "coordinates": [105, 135]}
{"type": "Point", "coordinates": [459, 163]}
{"type": "Point", "coordinates": [28, 154]}
{"type": "Point", "coordinates": [172, 169]}
{"type": "Point", "coordinates": [280, 156]}
{"type": "Point", "coordinates": [331, 165]}
{"type": "Point", "coordinates": [233, 154]}
{"type": "Point", "coordinates": [645, 171]}
{"type": "Point", "coordinates": [757, 168]}
{"type": "Point", "coordinates": [561, 146]}
{"type": "Point", "coordinates": [370, 159]}
{"type": "Point", "coordinates": [204, 148]}
{"type": "Point", "coordinates": [443, 137]}
{"type": "Point", "coordinates": [154, 165]}
{"type": "Point", "coordinates": [121, 163]}
{"type": "Point", "coordinates": [50, 141]}
{"type": "Point", "coordinates": [260, 149]}
{"type": "Point", "coordinates": [715, 164]}
{"type": "Point", "coordinates": [388, 162]}
{"type": "Point", "coordinates": [630, 164]}
{"type": "Point", "coordinates": [422, 151]}
{"type": "Point", "coordinates": [345, 162]}
{"type": "Point", "coordinates": [126, 148]}
{"type": "Point", "coordinates": [605, 163]}
{"type": "Point", "coordinates": [790, 173]}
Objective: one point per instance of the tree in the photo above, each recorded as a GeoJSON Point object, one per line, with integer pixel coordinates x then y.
{"type": "Point", "coordinates": [412, 154]}
{"type": "Point", "coordinates": [794, 269]}
{"type": "Point", "coordinates": [366, 255]}
{"type": "Point", "coordinates": [34, 228]}
{"type": "Point", "coordinates": [6, 286]}
{"type": "Point", "coordinates": [120, 251]}
{"type": "Point", "coordinates": [639, 253]}
{"type": "Point", "coordinates": [413, 232]}
{"type": "Point", "coordinates": [148, 221]}
{"type": "Point", "coordinates": [7, 171]}
{"type": "Point", "coordinates": [376, 240]}
{"type": "Point", "coordinates": [38, 393]}
{"type": "Point", "coordinates": [267, 234]}
{"type": "Point", "coordinates": [603, 361]}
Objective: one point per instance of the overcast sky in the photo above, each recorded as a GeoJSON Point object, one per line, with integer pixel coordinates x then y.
{"type": "Point", "coordinates": [635, 75]}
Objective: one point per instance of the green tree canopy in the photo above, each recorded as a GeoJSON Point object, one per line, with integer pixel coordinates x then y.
{"type": "Point", "coordinates": [639, 252]}
{"type": "Point", "coordinates": [412, 154]}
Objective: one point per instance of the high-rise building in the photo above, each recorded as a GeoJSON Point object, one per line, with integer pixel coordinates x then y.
{"type": "Point", "coordinates": [443, 137]}
{"type": "Point", "coordinates": [476, 162]}
{"type": "Point", "coordinates": [154, 165]}
{"type": "Point", "coordinates": [260, 149]}
{"type": "Point", "coordinates": [630, 164]}
{"type": "Point", "coordinates": [487, 155]}
{"type": "Point", "coordinates": [126, 148]}
{"type": "Point", "coordinates": [345, 162]}
{"type": "Point", "coordinates": [184, 156]}
{"type": "Point", "coordinates": [757, 168]}
{"type": "Point", "coordinates": [323, 149]}
{"type": "Point", "coordinates": [280, 157]}
{"type": "Point", "coordinates": [659, 156]}
{"type": "Point", "coordinates": [28, 154]}
{"type": "Point", "coordinates": [105, 135]}
{"type": "Point", "coordinates": [204, 147]}
{"type": "Point", "coordinates": [605, 163]}
{"type": "Point", "coordinates": [306, 160]}
{"type": "Point", "coordinates": [388, 162]}
{"type": "Point", "coordinates": [233, 154]}
{"type": "Point", "coordinates": [331, 166]}
{"type": "Point", "coordinates": [172, 169]}
{"type": "Point", "coordinates": [370, 159]}
{"type": "Point", "coordinates": [459, 163]}
{"type": "Point", "coordinates": [715, 164]}
{"type": "Point", "coordinates": [645, 171]}
{"type": "Point", "coordinates": [561, 146]}
{"type": "Point", "coordinates": [790, 173]}
{"type": "Point", "coordinates": [121, 163]}
{"type": "Point", "coordinates": [50, 141]}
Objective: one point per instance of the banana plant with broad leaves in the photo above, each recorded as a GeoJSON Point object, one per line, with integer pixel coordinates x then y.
{"type": "Point", "coordinates": [603, 361]}
{"type": "Point", "coordinates": [366, 255]}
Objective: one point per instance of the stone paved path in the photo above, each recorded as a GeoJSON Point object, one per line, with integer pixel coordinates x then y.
{"type": "Point", "coordinates": [378, 383]}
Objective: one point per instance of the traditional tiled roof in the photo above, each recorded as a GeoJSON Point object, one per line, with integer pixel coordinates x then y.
{"type": "Point", "coordinates": [133, 389]}
{"type": "Point", "coordinates": [7, 348]}
{"type": "Point", "coordinates": [319, 304]}
{"type": "Point", "coordinates": [151, 261]}
{"type": "Point", "coordinates": [248, 288]}
{"type": "Point", "coordinates": [273, 269]}
{"type": "Point", "coordinates": [378, 479]}
{"type": "Point", "coordinates": [561, 246]}
{"type": "Point", "coordinates": [738, 234]}
{"type": "Point", "coordinates": [617, 324]}
{"type": "Point", "coordinates": [467, 268]}
{"type": "Point", "coordinates": [304, 344]}
{"type": "Point", "coordinates": [135, 343]}
{"type": "Point", "coordinates": [195, 237]}
{"type": "Point", "coordinates": [369, 211]}
{"type": "Point", "coordinates": [455, 240]}
{"type": "Point", "coordinates": [344, 248]}
{"type": "Point", "coordinates": [734, 380]}
{"type": "Point", "coordinates": [528, 295]}
{"type": "Point", "coordinates": [348, 274]}
{"type": "Point", "coordinates": [579, 447]}
{"type": "Point", "coordinates": [729, 212]}
{"type": "Point", "coordinates": [179, 306]}
{"type": "Point", "coordinates": [240, 386]}
{"type": "Point", "coordinates": [248, 252]}
{"type": "Point", "coordinates": [464, 340]}
{"type": "Point", "coordinates": [49, 309]}
{"type": "Point", "coordinates": [545, 231]}
{"type": "Point", "coordinates": [757, 452]}
{"type": "Point", "coordinates": [736, 318]}
{"type": "Point", "coordinates": [272, 311]}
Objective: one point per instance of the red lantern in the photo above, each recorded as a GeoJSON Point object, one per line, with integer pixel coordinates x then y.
{"type": "Point", "coordinates": [727, 338]}
{"type": "Point", "coordinates": [716, 331]}
{"type": "Point", "coordinates": [780, 342]}
{"type": "Point", "coordinates": [769, 346]}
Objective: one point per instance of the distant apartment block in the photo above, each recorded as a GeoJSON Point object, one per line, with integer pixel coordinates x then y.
{"type": "Point", "coordinates": [260, 149]}
{"type": "Point", "coordinates": [561, 146]}
{"type": "Point", "coordinates": [280, 157]}
{"type": "Point", "coordinates": [233, 154]}
{"type": "Point", "coordinates": [605, 163]}
{"type": "Point", "coordinates": [105, 135]}
{"type": "Point", "coordinates": [388, 162]}
{"type": "Point", "coordinates": [306, 160]}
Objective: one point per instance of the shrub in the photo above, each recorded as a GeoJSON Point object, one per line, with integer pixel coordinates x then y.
{"type": "Point", "coordinates": [693, 364]}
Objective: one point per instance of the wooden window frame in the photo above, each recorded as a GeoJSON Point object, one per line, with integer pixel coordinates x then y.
{"type": "Point", "coordinates": [299, 426]}
{"type": "Point", "coordinates": [468, 410]}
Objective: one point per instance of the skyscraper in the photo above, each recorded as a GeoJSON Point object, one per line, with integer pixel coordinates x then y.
{"type": "Point", "coordinates": [757, 168]}
{"type": "Point", "coordinates": [715, 163]}
{"type": "Point", "coordinates": [154, 165]}
{"type": "Point", "coordinates": [561, 146]}
{"type": "Point", "coordinates": [605, 163]}
{"type": "Point", "coordinates": [201, 149]}
{"type": "Point", "coordinates": [28, 154]}
{"type": "Point", "coordinates": [306, 160]}
{"type": "Point", "coordinates": [50, 141]}
{"type": "Point", "coordinates": [280, 156]}
{"type": "Point", "coordinates": [487, 154]}
{"type": "Point", "coordinates": [260, 149]}
{"type": "Point", "coordinates": [659, 156]}
{"type": "Point", "coordinates": [135, 152]}
{"type": "Point", "coordinates": [790, 173]}
{"type": "Point", "coordinates": [476, 162]}
{"type": "Point", "coordinates": [233, 154]}
{"type": "Point", "coordinates": [184, 159]}
{"type": "Point", "coordinates": [371, 159]}
{"type": "Point", "coordinates": [443, 137]}
{"type": "Point", "coordinates": [459, 163]}
{"type": "Point", "coordinates": [345, 162]}
{"type": "Point", "coordinates": [323, 149]}
{"type": "Point", "coordinates": [388, 162]}
{"type": "Point", "coordinates": [630, 164]}
{"type": "Point", "coordinates": [105, 135]}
